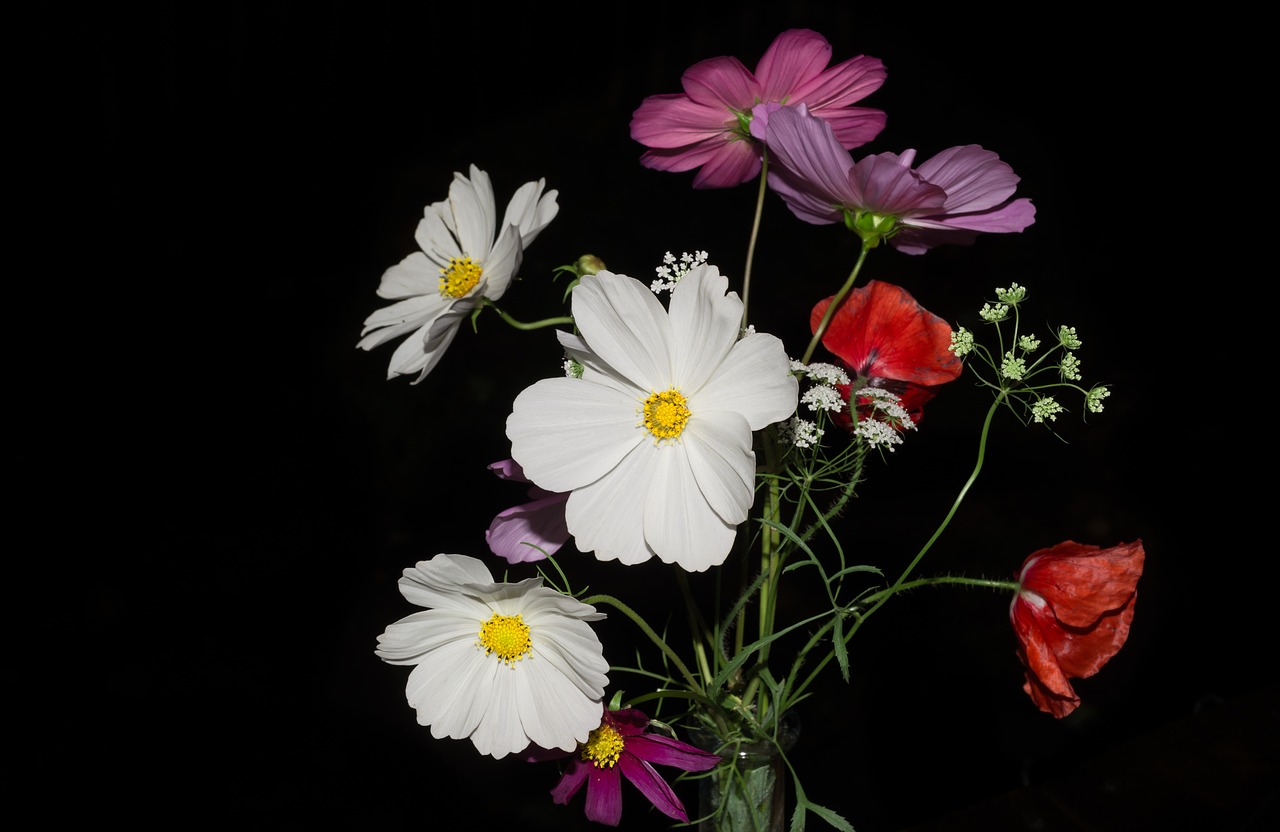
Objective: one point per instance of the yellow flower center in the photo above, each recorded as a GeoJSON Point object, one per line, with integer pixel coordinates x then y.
{"type": "Point", "coordinates": [666, 414]}
{"type": "Point", "coordinates": [460, 277]}
{"type": "Point", "coordinates": [603, 747]}
{"type": "Point", "coordinates": [506, 636]}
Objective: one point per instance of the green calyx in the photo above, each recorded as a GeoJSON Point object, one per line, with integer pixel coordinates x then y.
{"type": "Point", "coordinates": [871, 227]}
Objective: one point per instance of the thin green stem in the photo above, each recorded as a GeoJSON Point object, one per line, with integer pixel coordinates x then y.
{"type": "Point", "coordinates": [545, 322]}
{"type": "Point", "coordinates": [755, 235]}
{"type": "Point", "coordinates": [689, 678]}
{"type": "Point", "coordinates": [1013, 586]}
{"type": "Point", "coordinates": [946, 521]}
{"type": "Point", "coordinates": [836, 303]}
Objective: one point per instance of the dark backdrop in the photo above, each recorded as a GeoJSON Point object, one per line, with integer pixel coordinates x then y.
{"type": "Point", "coordinates": [266, 162]}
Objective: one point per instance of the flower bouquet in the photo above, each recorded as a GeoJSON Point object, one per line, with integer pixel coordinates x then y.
{"type": "Point", "coordinates": [677, 431]}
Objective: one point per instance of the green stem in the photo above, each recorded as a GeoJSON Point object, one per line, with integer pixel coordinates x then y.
{"type": "Point", "coordinates": [1013, 586]}
{"type": "Point", "coordinates": [545, 322]}
{"type": "Point", "coordinates": [836, 303]}
{"type": "Point", "coordinates": [689, 678]}
{"type": "Point", "coordinates": [946, 521]}
{"type": "Point", "coordinates": [755, 235]}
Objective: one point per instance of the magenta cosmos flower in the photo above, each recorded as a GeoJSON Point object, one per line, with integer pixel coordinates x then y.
{"type": "Point", "coordinates": [886, 340]}
{"type": "Point", "coordinates": [706, 126]}
{"type": "Point", "coordinates": [621, 747]}
{"type": "Point", "coordinates": [951, 198]}
{"type": "Point", "coordinates": [531, 531]}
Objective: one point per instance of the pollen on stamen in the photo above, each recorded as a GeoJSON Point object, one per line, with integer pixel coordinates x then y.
{"type": "Point", "coordinates": [666, 414]}
{"type": "Point", "coordinates": [507, 637]}
{"type": "Point", "coordinates": [603, 747]}
{"type": "Point", "coordinates": [459, 277]}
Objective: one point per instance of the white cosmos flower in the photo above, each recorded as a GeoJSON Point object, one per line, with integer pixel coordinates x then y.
{"type": "Point", "coordinates": [503, 664]}
{"type": "Point", "coordinates": [654, 441]}
{"type": "Point", "coordinates": [460, 262]}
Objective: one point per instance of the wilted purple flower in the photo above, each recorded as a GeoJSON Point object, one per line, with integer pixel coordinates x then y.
{"type": "Point", "coordinates": [530, 531]}
{"type": "Point", "coordinates": [706, 126]}
{"type": "Point", "coordinates": [951, 198]}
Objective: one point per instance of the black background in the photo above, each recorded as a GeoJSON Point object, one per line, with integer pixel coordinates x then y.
{"type": "Point", "coordinates": [264, 163]}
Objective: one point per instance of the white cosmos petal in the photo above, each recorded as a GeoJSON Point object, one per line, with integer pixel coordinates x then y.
{"type": "Point", "coordinates": [531, 210]}
{"type": "Point", "coordinates": [415, 636]}
{"type": "Point", "coordinates": [443, 689]}
{"type": "Point", "coordinates": [595, 370]}
{"type": "Point", "coordinates": [502, 263]}
{"type": "Point", "coordinates": [437, 238]}
{"type": "Point", "coordinates": [705, 323]}
{"type": "Point", "coordinates": [754, 380]}
{"type": "Point", "coordinates": [551, 695]}
{"type": "Point", "coordinates": [475, 212]}
{"type": "Point", "coordinates": [624, 323]}
{"type": "Point", "coordinates": [420, 355]}
{"type": "Point", "coordinates": [552, 713]}
{"type": "Point", "coordinates": [411, 312]}
{"type": "Point", "coordinates": [499, 733]}
{"type": "Point", "coordinates": [558, 457]}
{"type": "Point", "coordinates": [607, 516]}
{"type": "Point", "coordinates": [718, 444]}
{"type": "Point", "coordinates": [414, 275]}
{"type": "Point", "coordinates": [452, 582]}
{"type": "Point", "coordinates": [679, 524]}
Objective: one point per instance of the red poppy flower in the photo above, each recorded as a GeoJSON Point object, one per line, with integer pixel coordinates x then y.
{"type": "Point", "coordinates": [889, 341]}
{"type": "Point", "coordinates": [1071, 615]}
{"type": "Point", "coordinates": [621, 747]}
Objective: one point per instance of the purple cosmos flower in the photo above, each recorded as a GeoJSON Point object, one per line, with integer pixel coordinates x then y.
{"type": "Point", "coordinates": [951, 198]}
{"type": "Point", "coordinates": [621, 747]}
{"type": "Point", "coordinates": [706, 125]}
{"type": "Point", "coordinates": [530, 531]}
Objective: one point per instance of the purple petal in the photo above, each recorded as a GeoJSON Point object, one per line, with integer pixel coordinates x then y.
{"type": "Point", "coordinates": [816, 162]}
{"type": "Point", "coordinates": [652, 786]}
{"type": "Point", "coordinates": [841, 85]}
{"type": "Point", "coordinates": [1014, 216]}
{"type": "Point", "coordinates": [974, 178]}
{"type": "Point", "coordinates": [572, 780]}
{"type": "Point", "coordinates": [854, 126]}
{"type": "Point", "coordinates": [721, 82]}
{"type": "Point", "coordinates": [885, 184]}
{"type": "Point", "coordinates": [529, 532]}
{"type": "Point", "coordinates": [673, 121]}
{"type": "Point", "coordinates": [733, 163]}
{"type": "Point", "coordinates": [794, 59]}
{"type": "Point", "coordinates": [604, 795]}
{"type": "Point", "coordinates": [681, 159]}
{"type": "Point", "coordinates": [912, 240]}
{"type": "Point", "coordinates": [508, 469]}
{"type": "Point", "coordinates": [665, 751]}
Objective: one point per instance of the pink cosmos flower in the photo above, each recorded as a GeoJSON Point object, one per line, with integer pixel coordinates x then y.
{"type": "Point", "coordinates": [951, 198]}
{"type": "Point", "coordinates": [1072, 613]}
{"type": "Point", "coordinates": [706, 126]}
{"type": "Point", "coordinates": [531, 531]}
{"type": "Point", "coordinates": [887, 340]}
{"type": "Point", "coordinates": [619, 748]}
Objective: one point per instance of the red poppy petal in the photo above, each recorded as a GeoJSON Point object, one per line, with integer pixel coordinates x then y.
{"type": "Point", "coordinates": [1082, 653]}
{"type": "Point", "coordinates": [1083, 583]}
{"type": "Point", "coordinates": [881, 332]}
{"type": "Point", "coordinates": [1046, 684]}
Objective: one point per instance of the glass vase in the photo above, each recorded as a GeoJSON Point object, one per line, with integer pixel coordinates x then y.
{"type": "Point", "coordinates": [747, 792]}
